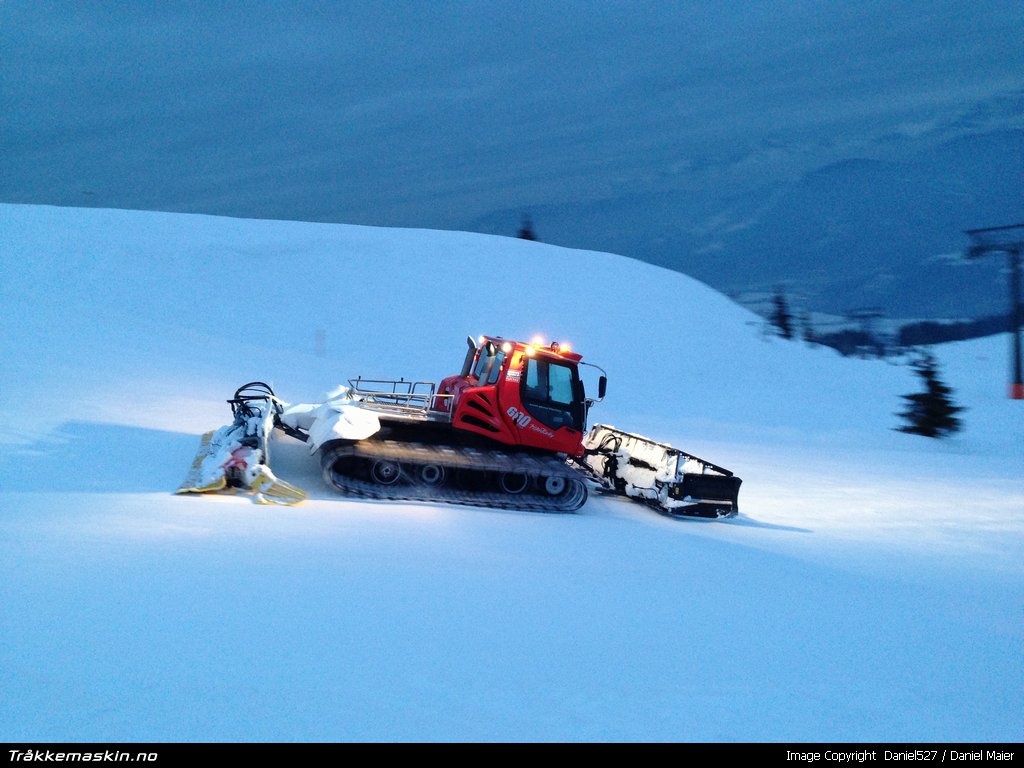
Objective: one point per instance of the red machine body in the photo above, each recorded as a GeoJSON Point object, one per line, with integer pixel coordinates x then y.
{"type": "Point", "coordinates": [519, 394]}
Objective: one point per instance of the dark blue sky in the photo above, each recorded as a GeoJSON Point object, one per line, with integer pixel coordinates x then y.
{"type": "Point", "coordinates": [449, 114]}
{"type": "Point", "coordinates": [433, 113]}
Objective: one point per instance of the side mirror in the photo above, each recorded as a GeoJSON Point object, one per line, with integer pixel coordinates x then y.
{"type": "Point", "coordinates": [602, 387]}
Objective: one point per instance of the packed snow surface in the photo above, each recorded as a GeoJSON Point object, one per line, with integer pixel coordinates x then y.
{"type": "Point", "coordinates": [870, 589]}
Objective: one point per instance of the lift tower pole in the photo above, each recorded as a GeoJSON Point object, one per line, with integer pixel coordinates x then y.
{"type": "Point", "coordinates": [1008, 240]}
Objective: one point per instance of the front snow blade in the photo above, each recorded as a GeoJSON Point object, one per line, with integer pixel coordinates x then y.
{"type": "Point", "coordinates": [703, 495]}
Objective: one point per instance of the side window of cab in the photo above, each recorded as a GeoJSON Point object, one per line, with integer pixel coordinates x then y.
{"type": "Point", "coordinates": [548, 390]}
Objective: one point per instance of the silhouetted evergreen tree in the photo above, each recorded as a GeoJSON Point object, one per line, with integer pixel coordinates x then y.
{"type": "Point", "coordinates": [932, 412]}
{"type": "Point", "coordinates": [808, 329]}
{"type": "Point", "coordinates": [782, 319]}
{"type": "Point", "coordinates": [526, 231]}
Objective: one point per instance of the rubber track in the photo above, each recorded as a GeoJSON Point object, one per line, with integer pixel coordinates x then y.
{"type": "Point", "coordinates": [411, 455]}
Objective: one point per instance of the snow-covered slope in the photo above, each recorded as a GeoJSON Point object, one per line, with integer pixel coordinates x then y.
{"type": "Point", "coordinates": [869, 590]}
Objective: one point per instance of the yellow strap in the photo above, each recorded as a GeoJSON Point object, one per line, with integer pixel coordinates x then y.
{"type": "Point", "coordinates": [272, 490]}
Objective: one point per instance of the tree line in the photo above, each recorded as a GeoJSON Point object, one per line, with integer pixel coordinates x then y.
{"type": "Point", "coordinates": [862, 342]}
{"type": "Point", "coordinates": [929, 412]}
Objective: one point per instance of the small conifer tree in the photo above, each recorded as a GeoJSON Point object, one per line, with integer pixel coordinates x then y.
{"type": "Point", "coordinates": [526, 231]}
{"type": "Point", "coordinates": [782, 319]}
{"type": "Point", "coordinates": [810, 336]}
{"type": "Point", "coordinates": [932, 412]}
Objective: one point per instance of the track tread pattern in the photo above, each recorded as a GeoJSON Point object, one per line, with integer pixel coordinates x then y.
{"type": "Point", "coordinates": [454, 459]}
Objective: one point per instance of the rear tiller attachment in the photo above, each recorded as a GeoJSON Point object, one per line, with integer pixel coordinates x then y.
{"type": "Point", "coordinates": [236, 457]}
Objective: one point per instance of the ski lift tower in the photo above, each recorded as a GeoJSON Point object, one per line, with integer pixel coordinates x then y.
{"type": "Point", "coordinates": [1008, 240]}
